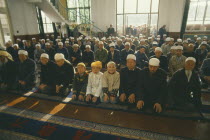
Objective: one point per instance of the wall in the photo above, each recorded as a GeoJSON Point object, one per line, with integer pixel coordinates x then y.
{"type": "Point", "coordinates": [103, 13]}
{"type": "Point", "coordinates": [24, 17]}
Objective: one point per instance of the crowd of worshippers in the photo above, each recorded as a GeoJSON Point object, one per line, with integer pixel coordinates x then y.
{"type": "Point", "coordinates": [156, 73]}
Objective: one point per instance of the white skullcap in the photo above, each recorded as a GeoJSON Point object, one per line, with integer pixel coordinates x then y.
{"type": "Point", "coordinates": [158, 36]}
{"type": "Point", "coordinates": [60, 43]}
{"type": "Point", "coordinates": [179, 48]}
{"type": "Point", "coordinates": [173, 48]}
{"type": "Point", "coordinates": [47, 39]}
{"type": "Point", "coordinates": [205, 37]}
{"type": "Point", "coordinates": [33, 38]}
{"type": "Point", "coordinates": [142, 40]}
{"type": "Point", "coordinates": [190, 58]}
{"type": "Point", "coordinates": [44, 55]}
{"type": "Point", "coordinates": [188, 38]}
{"type": "Point", "coordinates": [154, 43]}
{"type": "Point", "coordinates": [42, 39]}
{"type": "Point", "coordinates": [127, 43]}
{"type": "Point", "coordinates": [38, 45]}
{"type": "Point", "coordinates": [66, 42]}
{"type": "Point", "coordinates": [15, 45]}
{"type": "Point", "coordinates": [78, 39]}
{"type": "Point", "coordinates": [198, 38]}
{"type": "Point", "coordinates": [158, 49]}
{"type": "Point", "coordinates": [100, 42]}
{"type": "Point", "coordinates": [158, 39]}
{"type": "Point", "coordinates": [119, 40]}
{"type": "Point", "coordinates": [103, 38]}
{"type": "Point", "coordinates": [172, 39]}
{"type": "Point", "coordinates": [149, 37]}
{"type": "Point", "coordinates": [195, 35]}
{"type": "Point", "coordinates": [179, 40]}
{"type": "Point", "coordinates": [164, 35]}
{"type": "Point", "coordinates": [204, 42]}
{"type": "Point", "coordinates": [47, 43]}
{"type": "Point", "coordinates": [185, 41]}
{"type": "Point", "coordinates": [23, 52]}
{"type": "Point", "coordinates": [75, 45]}
{"type": "Point", "coordinates": [131, 56]}
{"type": "Point", "coordinates": [67, 39]}
{"type": "Point", "coordinates": [110, 63]}
{"type": "Point", "coordinates": [154, 62]}
{"type": "Point", "coordinates": [23, 41]}
{"type": "Point", "coordinates": [168, 39]}
{"type": "Point", "coordinates": [87, 46]}
{"type": "Point", "coordinates": [111, 44]}
{"type": "Point", "coordinates": [59, 56]}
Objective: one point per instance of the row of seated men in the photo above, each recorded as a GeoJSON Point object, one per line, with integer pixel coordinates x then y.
{"type": "Point", "coordinates": [145, 88]}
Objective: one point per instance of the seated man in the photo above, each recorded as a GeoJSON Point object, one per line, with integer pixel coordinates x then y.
{"type": "Point", "coordinates": [47, 77]}
{"type": "Point", "coordinates": [162, 58]}
{"type": "Point", "coordinates": [64, 74]}
{"type": "Point", "coordinates": [111, 83]}
{"type": "Point", "coordinates": [124, 53]}
{"type": "Point", "coordinates": [80, 82]}
{"type": "Point", "coordinates": [88, 56]}
{"type": "Point", "coordinates": [177, 61]}
{"type": "Point", "coordinates": [26, 71]}
{"type": "Point", "coordinates": [184, 88]}
{"type": "Point", "coordinates": [141, 58]}
{"type": "Point", "coordinates": [152, 89]}
{"type": "Point", "coordinates": [75, 55]}
{"type": "Point", "coordinates": [94, 88]}
{"type": "Point", "coordinates": [101, 54]}
{"type": "Point", "coordinates": [129, 80]}
{"type": "Point", "coordinates": [205, 71]}
{"type": "Point", "coordinates": [113, 54]}
{"type": "Point", "coordinates": [7, 71]}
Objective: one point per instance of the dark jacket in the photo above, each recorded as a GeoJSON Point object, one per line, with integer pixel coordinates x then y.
{"type": "Point", "coordinates": [163, 62]}
{"type": "Point", "coordinates": [26, 71]}
{"type": "Point", "coordinates": [47, 75]}
{"type": "Point", "coordinates": [141, 60]}
{"type": "Point", "coordinates": [78, 56]}
{"type": "Point", "coordinates": [152, 88]}
{"type": "Point", "coordinates": [124, 54]}
{"type": "Point", "coordinates": [116, 56]}
{"type": "Point", "coordinates": [8, 73]}
{"type": "Point", "coordinates": [129, 81]}
{"type": "Point", "coordinates": [64, 75]}
{"type": "Point", "coordinates": [50, 52]}
{"type": "Point", "coordinates": [180, 89]}
{"type": "Point", "coordinates": [88, 57]}
{"type": "Point", "coordinates": [64, 51]}
{"type": "Point", "coordinates": [30, 51]}
{"type": "Point", "coordinates": [205, 68]}
{"type": "Point", "coordinates": [80, 83]}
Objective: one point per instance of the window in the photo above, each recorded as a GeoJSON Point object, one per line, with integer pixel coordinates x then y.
{"type": "Point", "coordinates": [2, 3]}
{"type": "Point", "coordinates": [4, 23]}
{"type": "Point", "coordinates": [142, 15]}
{"type": "Point", "coordinates": [198, 16]}
{"type": "Point", "coordinates": [79, 11]}
{"type": "Point", "coordinates": [47, 23]}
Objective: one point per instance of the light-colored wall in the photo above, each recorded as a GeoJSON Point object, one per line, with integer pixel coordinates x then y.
{"type": "Point", "coordinates": [24, 17]}
{"type": "Point", "coordinates": [103, 13]}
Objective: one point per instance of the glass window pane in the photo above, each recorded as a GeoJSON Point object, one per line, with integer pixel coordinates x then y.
{"type": "Point", "coordinates": [5, 27]}
{"type": "Point", "coordinates": [153, 25]}
{"type": "Point", "coordinates": [72, 15]}
{"type": "Point", "coordinates": [137, 19]}
{"type": "Point", "coordinates": [208, 11]}
{"type": "Point", "coordinates": [130, 6]}
{"type": "Point", "coordinates": [155, 5]}
{"type": "Point", "coordinates": [72, 3]}
{"type": "Point", "coordinates": [200, 10]}
{"type": "Point", "coordinates": [120, 24]}
{"type": "Point", "coordinates": [86, 3]}
{"type": "Point", "coordinates": [192, 11]}
{"type": "Point", "coordinates": [119, 6]}
{"type": "Point", "coordinates": [144, 6]}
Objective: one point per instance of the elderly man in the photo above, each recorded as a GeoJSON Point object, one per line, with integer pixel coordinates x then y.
{"type": "Point", "coordinates": [129, 80]}
{"type": "Point", "coordinates": [7, 71]}
{"type": "Point", "coordinates": [152, 88]}
{"type": "Point", "coordinates": [166, 46]}
{"type": "Point", "coordinates": [162, 58]}
{"type": "Point", "coordinates": [37, 53]}
{"type": "Point", "coordinates": [124, 53]}
{"type": "Point", "coordinates": [177, 61]}
{"type": "Point", "coordinates": [47, 77]}
{"type": "Point", "coordinates": [63, 50]}
{"type": "Point", "coordinates": [110, 31]}
{"type": "Point", "coordinates": [64, 74]}
{"type": "Point", "coordinates": [184, 87]}
{"type": "Point", "coordinates": [101, 54]}
{"type": "Point", "coordinates": [26, 71]}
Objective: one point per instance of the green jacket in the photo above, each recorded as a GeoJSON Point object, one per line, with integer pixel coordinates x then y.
{"type": "Point", "coordinates": [101, 55]}
{"type": "Point", "coordinates": [80, 83]}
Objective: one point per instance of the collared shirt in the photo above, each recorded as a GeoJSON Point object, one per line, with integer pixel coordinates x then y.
{"type": "Point", "coordinates": [188, 74]}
